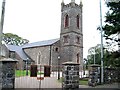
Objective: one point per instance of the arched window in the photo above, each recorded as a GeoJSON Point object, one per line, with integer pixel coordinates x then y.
{"type": "Point", "coordinates": [77, 20]}
{"type": "Point", "coordinates": [56, 49]}
{"type": "Point", "coordinates": [78, 56]}
{"type": "Point", "coordinates": [78, 40]}
{"type": "Point", "coordinates": [38, 58]}
{"type": "Point", "coordinates": [65, 39]}
{"type": "Point", "coordinates": [66, 22]}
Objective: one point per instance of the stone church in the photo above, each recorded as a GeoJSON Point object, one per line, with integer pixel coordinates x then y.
{"type": "Point", "coordinates": [69, 47]}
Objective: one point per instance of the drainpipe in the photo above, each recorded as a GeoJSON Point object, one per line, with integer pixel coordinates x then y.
{"type": "Point", "coordinates": [50, 55]}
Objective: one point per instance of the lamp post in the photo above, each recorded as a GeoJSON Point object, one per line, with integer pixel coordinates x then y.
{"type": "Point", "coordinates": [27, 67]}
{"type": "Point", "coordinates": [101, 43]}
{"type": "Point", "coordinates": [58, 67]}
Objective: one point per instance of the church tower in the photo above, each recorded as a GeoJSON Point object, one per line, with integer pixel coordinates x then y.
{"type": "Point", "coordinates": [71, 36]}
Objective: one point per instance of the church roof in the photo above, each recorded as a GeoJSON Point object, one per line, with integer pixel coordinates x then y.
{"type": "Point", "coordinates": [40, 43]}
{"type": "Point", "coordinates": [18, 50]}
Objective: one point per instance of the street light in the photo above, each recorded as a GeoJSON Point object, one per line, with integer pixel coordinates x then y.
{"type": "Point", "coordinates": [101, 43]}
{"type": "Point", "coordinates": [58, 67]}
{"type": "Point", "coordinates": [27, 66]}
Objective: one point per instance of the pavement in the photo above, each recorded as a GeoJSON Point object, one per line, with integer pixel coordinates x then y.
{"type": "Point", "coordinates": [112, 85]}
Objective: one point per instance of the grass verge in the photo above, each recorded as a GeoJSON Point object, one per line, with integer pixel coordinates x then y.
{"type": "Point", "coordinates": [83, 82]}
{"type": "Point", "coordinates": [19, 73]}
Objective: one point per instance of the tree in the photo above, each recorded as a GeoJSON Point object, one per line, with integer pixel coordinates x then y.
{"type": "Point", "coordinates": [94, 53]}
{"type": "Point", "coordinates": [14, 39]}
{"type": "Point", "coordinates": [110, 58]}
{"type": "Point", "coordinates": [111, 30]}
{"type": "Point", "coordinates": [112, 26]}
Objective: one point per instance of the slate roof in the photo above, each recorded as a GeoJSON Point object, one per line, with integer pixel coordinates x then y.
{"type": "Point", "coordinates": [40, 43]}
{"type": "Point", "coordinates": [21, 53]}
{"type": "Point", "coordinates": [18, 50]}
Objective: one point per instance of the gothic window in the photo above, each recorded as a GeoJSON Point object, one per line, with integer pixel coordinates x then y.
{"type": "Point", "coordinates": [65, 39]}
{"type": "Point", "coordinates": [78, 56]}
{"type": "Point", "coordinates": [66, 21]}
{"type": "Point", "coordinates": [56, 49]}
{"type": "Point", "coordinates": [38, 59]}
{"type": "Point", "coordinates": [77, 20]}
{"type": "Point", "coordinates": [77, 39]}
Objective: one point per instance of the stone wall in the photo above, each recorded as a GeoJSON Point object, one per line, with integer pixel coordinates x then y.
{"type": "Point", "coordinates": [6, 52]}
{"type": "Point", "coordinates": [20, 64]}
{"type": "Point", "coordinates": [7, 74]}
{"type": "Point", "coordinates": [111, 75]}
{"type": "Point", "coordinates": [54, 55]}
{"type": "Point", "coordinates": [48, 54]}
{"type": "Point", "coordinates": [44, 54]}
{"type": "Point", "coordinates": [0, 75]}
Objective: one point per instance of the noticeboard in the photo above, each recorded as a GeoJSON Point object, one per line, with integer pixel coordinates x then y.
{"type": "Point", "coordinates": [46, 71]}
{"type": "Point", "coordinates": [33, 71]}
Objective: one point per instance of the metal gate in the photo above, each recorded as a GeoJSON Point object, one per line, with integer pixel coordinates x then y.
{"type": "Point", "coordinates": [38, 76]}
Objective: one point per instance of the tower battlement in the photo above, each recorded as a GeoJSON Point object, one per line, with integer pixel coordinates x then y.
{"type": "Point", "coordinates": [70, 5]}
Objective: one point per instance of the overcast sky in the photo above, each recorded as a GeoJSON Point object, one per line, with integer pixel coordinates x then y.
{"type": "Point", "coordinates": [38, 20]}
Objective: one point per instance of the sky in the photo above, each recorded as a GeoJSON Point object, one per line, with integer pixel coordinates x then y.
{"type": "Point", "coordinates": [38, 20]}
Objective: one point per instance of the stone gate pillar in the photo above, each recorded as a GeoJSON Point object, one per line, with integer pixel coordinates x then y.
{"type": "Point", "coordinates": [7, 73]}
{"type": "Point", "coordinates": [94, 75]}
{"type": "Point", "coordinates": [70, 75]}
